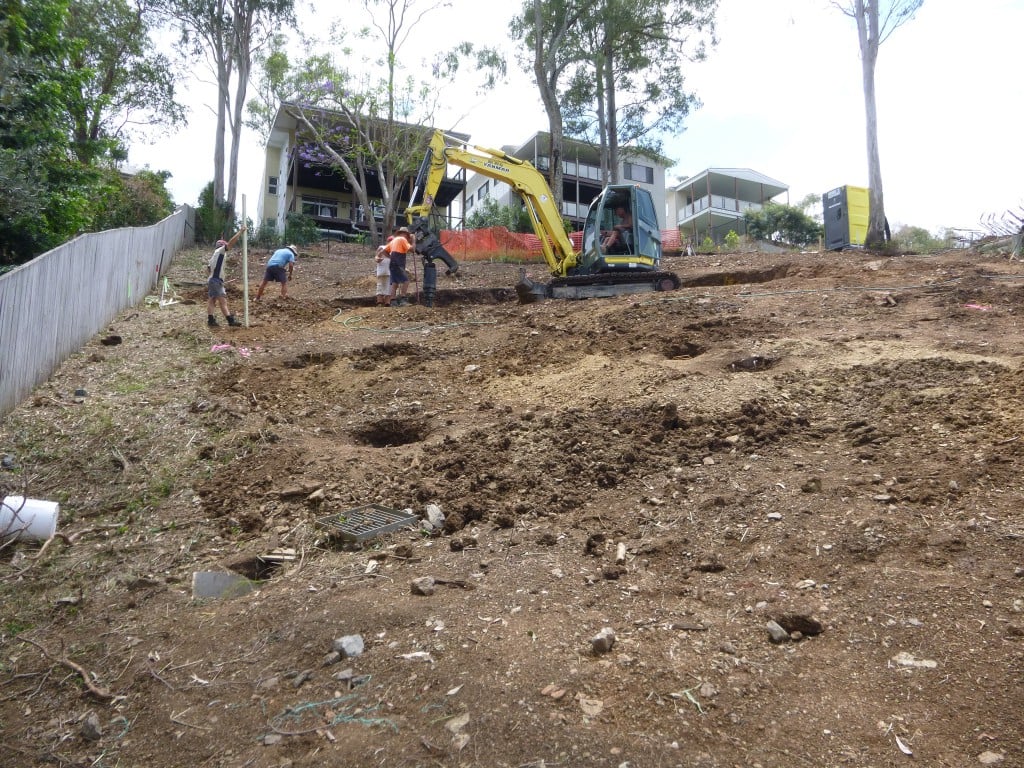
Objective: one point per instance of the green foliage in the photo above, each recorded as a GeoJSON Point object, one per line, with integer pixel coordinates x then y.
{"type": "Point", "coordinates": [909, 239]}
{"type": "Point", "coordinates": [213, 221]}
{"type": "Point", "coordinates": [300, 229]}
{"type": "Point", "coordinates": [134, 201]}
{"type": "Point", "coordinates": [707, 245]}
{"type": "Point", "coordinates": [126, 82]}
{"type": "Point", "coordinates": [782, 224]}
{"type": "Point", "coordinates": [514, 218]}
{"type": "Point", "coordinates": [67, 89]}
{"type": "Point", "coordinates": [616, 68]}
{"type": "Point", "coordinates": [732, 240]}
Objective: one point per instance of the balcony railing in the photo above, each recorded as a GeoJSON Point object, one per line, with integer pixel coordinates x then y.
{"type": "Point", "coordinates": [718, 202]}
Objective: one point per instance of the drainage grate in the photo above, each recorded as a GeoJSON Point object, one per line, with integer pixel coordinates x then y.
{"type": "Point", "coordinates": [366, 522]}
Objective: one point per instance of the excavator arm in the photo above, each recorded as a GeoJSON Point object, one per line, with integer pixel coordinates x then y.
{"type": "Point", "coordinates": [520, 175]}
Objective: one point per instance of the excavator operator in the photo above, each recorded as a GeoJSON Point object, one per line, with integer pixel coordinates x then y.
{"type": "Point", "coordinates": [618, 239]}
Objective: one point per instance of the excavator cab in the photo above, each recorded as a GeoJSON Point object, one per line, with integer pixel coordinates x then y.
{"type": "Point", "coordinates": [621, 231]}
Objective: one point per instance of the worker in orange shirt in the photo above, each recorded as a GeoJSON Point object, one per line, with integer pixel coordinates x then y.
{"type": "Point", "coordinates": [399, 247]}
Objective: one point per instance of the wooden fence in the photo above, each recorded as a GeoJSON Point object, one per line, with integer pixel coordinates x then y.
{"type": "Point", "coordinates": [52, 305]}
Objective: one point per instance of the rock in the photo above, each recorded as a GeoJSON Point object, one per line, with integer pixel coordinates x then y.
{"type": "Point", "coordinates": [345, 675]}
{"type": "Point", "coordinates": [91, 729]}
{"type": "Point", "coordinates": [613, 572]}
{"type": "Point", "coordinates": [991, 758]}
{"type": "Point", "coordinates": [434, 516]}
{"type": "Point", "coordinates": [424, 585]}
{"type": "Point", "coordinates": [799, 622]}
{"type": "Point", "coordinates": [595, 544]}
{"type": "Point", "coordinates": [294, 491]}
{"type": "Point", "coordinates": [317, 496]}
{"type": "Point", "coordinates": [460, 543]}
{"type": "Point", "coordinates": [272, 739]}
{"type": "Point", "coordinates": [603, 641]}
{"type": "Point", "coordinates": [905, 659]}
{"type": "Point", "coordinates": [332, 658]}
{"type": "Point", "coordinates": [776, 633]}
{"type": "Point", "coordinates": [349, 646]}
{"type": "Point", "coordinates": [710, 564]}
{"type": "Point", "coordinates": [811, 486]}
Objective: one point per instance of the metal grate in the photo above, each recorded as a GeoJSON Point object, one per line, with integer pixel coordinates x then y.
{"type": "Point", "coordinates": [366, 522]}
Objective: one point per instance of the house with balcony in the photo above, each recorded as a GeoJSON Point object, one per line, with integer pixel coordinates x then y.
{"type": "Point", "coordinates": [581, 179]}
{"type": "Point", "coordinates": [294, 184]}
{"type": "Point", "coordinates": [713, 202]}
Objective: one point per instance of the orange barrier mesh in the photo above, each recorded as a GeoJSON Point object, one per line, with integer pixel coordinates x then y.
{"type": "Point", "coordinates": [497, 243]}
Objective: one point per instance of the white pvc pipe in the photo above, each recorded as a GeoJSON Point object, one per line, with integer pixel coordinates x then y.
{"type": "Point", "coordinates": [22, 518]}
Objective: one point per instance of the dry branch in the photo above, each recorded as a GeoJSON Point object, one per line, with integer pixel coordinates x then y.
{"type": "Point", "coordinates": [95, 690]}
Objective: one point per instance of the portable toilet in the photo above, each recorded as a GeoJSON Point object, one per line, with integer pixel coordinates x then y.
{"type": "Point", "coordinates": [845, 210]}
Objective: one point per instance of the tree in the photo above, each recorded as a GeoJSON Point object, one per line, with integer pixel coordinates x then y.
{"type": "Point", "coordinates": [127, 82]}
{"type": "Point", "coordinates": [623, 61]}
{"type": "Point", "coordinates": [133, 201]}
{"type": "Point", "coordinates": [369, 125]}
{"type": "Point", "coordinates": [919, 240]}
{"type": "Point", "coordinates": [633, 88]}
{"type": "Point", "coordinates": [228, 33]}
{"type": "Point", "coordinates": [873, 27]}
{"type": "Point", "coordinates": [489, 213]}
{"type": "Point", "coordinates": [73, 76]}
{"type": "Point", "coordinates": [783, 224]}
{"type": "Point", "coordinates": [545, 27]}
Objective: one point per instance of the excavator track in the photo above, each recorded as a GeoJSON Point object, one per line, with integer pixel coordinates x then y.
{"type": "Point", "coordinates": [596, 286]}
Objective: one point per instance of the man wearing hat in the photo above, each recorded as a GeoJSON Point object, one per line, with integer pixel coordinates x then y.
{"type": "Point", "coordinates": [398, 247]}
{"type": "Point", "coordinates": [216, 294]}
{"type": "Point", "coordinates": [279, 270]}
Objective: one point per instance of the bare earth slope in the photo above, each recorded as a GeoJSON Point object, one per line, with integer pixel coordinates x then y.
{"type": "Point", "coordinates": [828, 441]}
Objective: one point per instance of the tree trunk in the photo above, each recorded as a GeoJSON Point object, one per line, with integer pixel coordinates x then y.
{"type": "Point", "coordinates": [868, 35]}
{"type": "Point", "coordinates": [546, 74]}
{"type": "Point", "coordinates": [611, 122]}
{"type": "Point", "coordinates": [223, 97]}
{"type": "Point", "coordinates": [236, 133]}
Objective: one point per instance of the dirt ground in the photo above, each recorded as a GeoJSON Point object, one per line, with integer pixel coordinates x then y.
{"type": "Point", "coordinates": [632, 489]}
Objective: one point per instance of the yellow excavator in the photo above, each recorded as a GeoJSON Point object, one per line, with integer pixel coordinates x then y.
{"type": "Point", "coordinates": [610, 264]}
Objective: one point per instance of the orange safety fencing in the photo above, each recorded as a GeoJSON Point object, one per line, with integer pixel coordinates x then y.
{"type": "Point", "coordinates": [497, 243]}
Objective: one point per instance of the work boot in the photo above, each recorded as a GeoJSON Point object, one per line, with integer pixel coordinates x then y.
{"type": "Point", "coordinates": [211, 321]}
{"type": "Point", "coordinates": [232, 322]}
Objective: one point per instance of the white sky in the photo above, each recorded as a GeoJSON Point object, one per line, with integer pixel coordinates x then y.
{"type": "Point", "coordinates": [781, 95]}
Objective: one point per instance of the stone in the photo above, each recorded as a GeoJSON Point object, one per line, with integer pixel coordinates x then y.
{"type": "Point", "coordinates": [776, 633]}
{"type": "Point", "coordinates": [349, 646]}
{"type": "Point", "coordinates": [603, 641]}
{"type": "Point", "coordinates": [424, 586]}
{"type": "Point", "coordinates": [91, 729]}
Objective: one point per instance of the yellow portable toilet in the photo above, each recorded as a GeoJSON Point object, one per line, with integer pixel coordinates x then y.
{"type": "Point", "coordinates": [845, 211]}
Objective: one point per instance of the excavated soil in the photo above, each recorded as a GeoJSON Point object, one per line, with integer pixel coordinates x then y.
{"type": "Point", "coordinates": [632, 489]}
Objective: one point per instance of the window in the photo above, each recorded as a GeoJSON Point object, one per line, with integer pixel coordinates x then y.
{"type": "Point", "coordinates": [469, 203]}
{"type": "Point", "coordinates": [482, 192]}
{"type": "Point", "coordinates": [641, 173]}
{"type": "Point", "coordinates": [272, 185]}
{"type": "Point", "coordinates": [320, 206]}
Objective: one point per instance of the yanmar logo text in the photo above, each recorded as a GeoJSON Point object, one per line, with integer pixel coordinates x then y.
{"type": "Point", "coordinates": [496, 167]}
